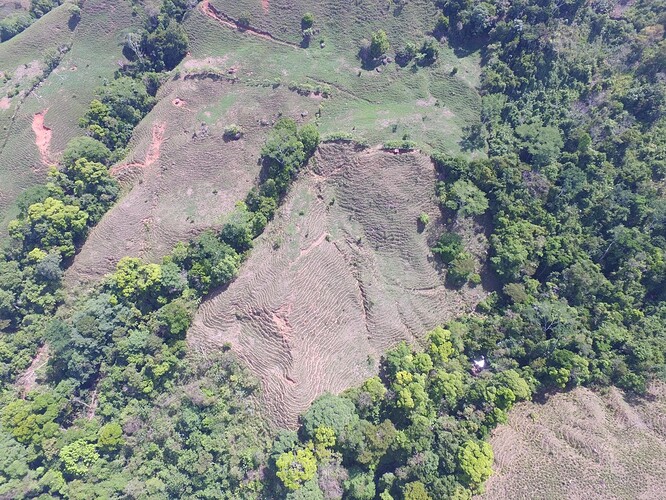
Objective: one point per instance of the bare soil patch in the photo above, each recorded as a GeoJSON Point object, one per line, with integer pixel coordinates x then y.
{"type": "Point", "coordinates": [42, 136]}
{"type": "Point", "coordinates": [5, 103]}
{"type": "Point", "coordinates": [28, 380]}
{"type": "Point", "coordinates": [341, 275]}
{"type": "Point", "coordinates": [582, 445]}
{"type": "Point", "coordinates": [182, 177]}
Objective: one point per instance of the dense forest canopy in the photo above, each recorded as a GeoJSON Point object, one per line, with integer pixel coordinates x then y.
{"type": "Point", "coordinates": [569, 176]}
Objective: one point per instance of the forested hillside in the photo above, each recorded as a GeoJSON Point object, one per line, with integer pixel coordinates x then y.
{"type": "Point", "coordinates": [555, 164]}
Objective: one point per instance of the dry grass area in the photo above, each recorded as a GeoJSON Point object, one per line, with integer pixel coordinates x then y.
{"type": "Point", "coordinates": [582, 445]}
{"type": "Point", "coordinates": [182, 177]}
{"type": "Point", "coordinates": [341, 275]}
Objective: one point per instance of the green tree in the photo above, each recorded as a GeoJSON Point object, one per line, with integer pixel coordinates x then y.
{"type": "Point", "coordinates": [88, 148]}
{"type": "Point", "coordinates": [475, 462]}
{"type": "Point", "coordinates": [78, 457]}
{"type": "Point", "coordinates": [50, 225]}
{"type": "Point", "coordinates": [296, 467]}
{"type": "Point", "coordinates": [379, 44]}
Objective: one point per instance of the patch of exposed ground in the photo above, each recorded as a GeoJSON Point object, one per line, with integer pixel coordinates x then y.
{"type": "Point", "coordinates": [28, 380]}
{"type": "Point", "coordinates": [5, 103]}
{"type": "Point", "coordinates": [582, 445]}
{"type": "Point", "coordinates": [42, 135]}
{"type": "Point", "coordinates": [182, 177]}
{"type": "Point", "coordinates": [152, 155]}
{"type": "Point", "coordinates": [341, 275]}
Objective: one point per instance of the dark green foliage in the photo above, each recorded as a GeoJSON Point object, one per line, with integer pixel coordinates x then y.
{"type": "Point", "coordinates": [448, 247]}
{"type": "Point", "coordinates": [164, 47]}
{"type": "Point", "coordinates": [38, 8]}
{"type": "Point", "coordinates": [12, 25]}
{"type": "Point", "coordinates": [417, 432]}
{"type": "Point", "coordinates": [121, 105]}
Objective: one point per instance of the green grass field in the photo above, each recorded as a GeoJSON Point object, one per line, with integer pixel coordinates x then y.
{"type": "Point", "coordinates": [65, 95]}
{"type": "Point", "coordinates": [428, 104]}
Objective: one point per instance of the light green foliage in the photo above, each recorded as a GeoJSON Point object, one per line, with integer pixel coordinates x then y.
{"type": "Point", "coordinates": [78, 457]}
{"type": "Point", "coordinates": [295, 468]}
{"type": "Point", "coordinates": [379, 44]}
{"type": "Point", "coordinates": [134, 280]}
{"type": "Point", "coordinates": [110, 437]}
{"type": "Point", "coordinates": [441, 348]}
{"type": "Point", "coordinates": [415, 491]}
{"type": "Point", "coordinates": [476, 462]}
{"type": "Point", "coordinates": [50, 225]}
{"type": "Point", "coordinates": [467, 199]}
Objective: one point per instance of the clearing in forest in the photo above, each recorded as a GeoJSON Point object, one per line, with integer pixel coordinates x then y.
{"type": "Point", "coordinates": [343, 273]}
{"type": "Point", "coordinates": [582, 445]}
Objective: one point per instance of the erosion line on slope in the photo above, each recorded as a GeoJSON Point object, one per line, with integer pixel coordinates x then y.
{"type": "Point", "coordinates": [342, 89]}
{"type": "Point", "coordinates": [234, 24]}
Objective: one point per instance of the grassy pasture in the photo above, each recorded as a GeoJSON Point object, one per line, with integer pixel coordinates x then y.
{"type": "Point", "coordinates": [64, 95]}
{"type": "Point", "coordinates": [428, 104]}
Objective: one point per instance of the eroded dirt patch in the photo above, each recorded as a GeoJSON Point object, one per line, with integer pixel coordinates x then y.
{"type": "Point", "coordinates": [28, 380]}
{"type": "Point", "coordinates": [42, 136]}
{"type": "Point", "coordinates": [5, 103]}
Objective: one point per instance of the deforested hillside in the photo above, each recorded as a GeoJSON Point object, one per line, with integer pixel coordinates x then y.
{"type": "Point", "coordinates": [333, 250]}
{"type": "Point", "coordinates": [343, 274]}
{"type": "Point", "coordinates": [582, 445]}
{"type": "Point", "coordinates": [48, 75]}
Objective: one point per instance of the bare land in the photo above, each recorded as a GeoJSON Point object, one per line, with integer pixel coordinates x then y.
{"type": "Point", "coordinates": [340, 276]}
{"type": "Point", "coordinates": [582, 445]}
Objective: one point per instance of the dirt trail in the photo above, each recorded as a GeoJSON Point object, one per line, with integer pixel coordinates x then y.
{"type": "Point", "coordinates": [152, 155]}
{"type": "Point", "coordinates": [229, 22]}
{"type": "Point", "coordinates": [265, 5]}
{"type": "Point", "coordinates": [42, 136]}
{"type": "Point", "coordinates": [28, 380]}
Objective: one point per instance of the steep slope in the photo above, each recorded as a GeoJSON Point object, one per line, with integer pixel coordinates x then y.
{"type": "Point", "coordinates": [582, 444]}
{"type": "Point", "coordinates": [342, 274]}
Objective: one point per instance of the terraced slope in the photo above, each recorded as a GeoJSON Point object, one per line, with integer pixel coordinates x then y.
{"type": "Point", "coordinates": [582, 445]}
{"type": "Point", "coordinates": [341, 275]}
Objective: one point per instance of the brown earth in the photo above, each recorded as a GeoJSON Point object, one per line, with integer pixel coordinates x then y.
{"type": "Point", "coordinates": [582, 445]}
{"type": "Point", "coordinates": [341, 275]}
{"type": "Point", "coordinates": [265, 5]}
{"type": "Point", "coordinates": [28, 380]}
{"type": "Point", "coordinates": [229, 22]}
{"type": "Point", "coordinates": [182, 177]}
{"type": "Point", "coordinates": [5, 103]}
{"type": "Point", "coordinates": [42, 136]}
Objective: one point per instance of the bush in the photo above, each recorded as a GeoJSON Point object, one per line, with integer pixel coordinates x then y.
{"type": "Point", "coordinates": [232, 132]}
{"type": "Point", "coordinates": [88, 148]}
{"type": "Point", "coordinates": [13, 25]}
{"type": "Point", "coordinates": [379, 44]}
{"type": "Point", "coordinates": [448, 247]}
{"type": "Point", "coordinates": [307, 21]}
